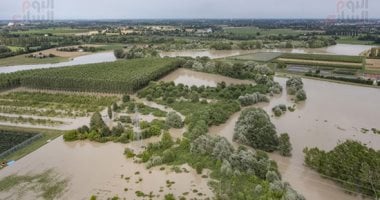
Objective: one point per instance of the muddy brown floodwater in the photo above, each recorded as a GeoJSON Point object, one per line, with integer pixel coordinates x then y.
{"type": "Point", "coordinates": [339, 49]}
{"type": "Point", "coordinates": [333, 112]}
{"type": "Point", "coordinates": [103, 170]}
{"type": "Point", "coordinates": [190, 78]}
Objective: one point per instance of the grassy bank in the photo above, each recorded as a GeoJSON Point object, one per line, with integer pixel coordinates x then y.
{"type": "Point", "coordinates": [22, 60]}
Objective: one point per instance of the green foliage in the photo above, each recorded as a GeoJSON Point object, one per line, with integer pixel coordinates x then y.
{"type": "Point", "coordinates": [119, 53]}
{"type": "Point", "coordinates": [284, 145]}
{"type": "Point", "coordinates": [109, 112]}
{"type": "Point", "coordinates": [294, 86]}
{"type": "Point", "coordinates": [250, 99]}
{"type": "Point", "coordinates": [120, 76]}
{"type": "Point", "coordinates": [169, 197]}
{"type": "Point", "coordinates": [174, 120]}
{"type": "Point", "coordinates": [10, 139]}
{"type": "Point", "coordinates": [126, 98]}
{"type": "Point", "coordinates": [352, 164]}
{"type": "Point", "coordinates": [255, 129]}
{"type": "Point", "coordinates": [279, 110]}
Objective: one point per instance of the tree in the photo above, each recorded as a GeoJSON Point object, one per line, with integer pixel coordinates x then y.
{"type": "Point", "coordinates": [355, 165]}
{"type": "Point", "coordinates": [115, 107]}
{"type": "Point", "coordinates": [301, 95]}
{"type": "Point", "coordinates": [97, 124]}
{"type": "Point", "coordinates": [174, 120]}
{"type": "Point", "coordinates": [126, 98]}
{"type": "Point", "coordinates": [284, 145]}
{"type": "Point", "coordinates": [109, 112]}
{"type": "Point", "coordinates": [255, 129]}
{"type": "Point", "coordinates": [119, 53]}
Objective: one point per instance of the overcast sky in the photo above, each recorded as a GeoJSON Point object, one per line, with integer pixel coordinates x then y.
{"type": "Point", "coordinates": [132, 9]}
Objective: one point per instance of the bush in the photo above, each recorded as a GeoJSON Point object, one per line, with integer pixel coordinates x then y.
{"type": "Point", "coordinates": [126, 98]}
{"type": "Point", "coordinates": [284, 146]}
{"type": "Point", "coordinates": [301, 95]}
{"type": "Point", "coordinates": [250, 99]}
{"type": "Point", "coordinates": [119, 53]}
{"type": "Point", "coordinates": [174, 120]}
{"type": "Point", "coordinates": [70, 135]}
{"type": "Point", "coordinates": [129, 153]}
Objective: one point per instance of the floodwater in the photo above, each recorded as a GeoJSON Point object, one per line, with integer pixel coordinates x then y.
{"type": "Point", "coordinates": [190, 78]}
{"type": "Point", "coordinates": [86, 59]}
{"type": "Point", "coordinates": [101, 170]}
{"type": "Point", "coordinates": [339, 49]}
{"type": "Point", "coordinates": [332, 113]}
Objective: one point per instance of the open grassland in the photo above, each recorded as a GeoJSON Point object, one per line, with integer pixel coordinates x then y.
{"type": "Point", "coordinates": [53, 104]}
{"type": "Point", "coordinates": [259, 57]}
{"type": "Point", "coordinates": [114, 77]}
{"type": "Point", "coordinates": [23, 60]}
{"type": "Point", "coordinates": [46, 135]}
{"type": "Point", "coordinates": [251, 31]}
{"type": "Point", "coordinates": [52, 31]}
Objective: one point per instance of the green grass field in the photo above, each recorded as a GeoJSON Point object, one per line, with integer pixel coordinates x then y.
{"type": "Point", "coordinates": [22, 60]}
{"type": "Point", "coordinates": [54, 31]}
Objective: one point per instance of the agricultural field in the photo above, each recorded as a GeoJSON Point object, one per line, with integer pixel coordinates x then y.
{"type": "Point", "coordinates": [116, 77]}
{"type": "Point", "coordinates": [353, 40]}
{"type": "Point", "coordinates": [259, 57]}
{"type": "Point", "coordinates": [322, 60]}
{"type": "Point", "coordinates": [324, 57]}
{"type": "Point", "coordinates": [30, 132]}
{"type": "Point", "coordinates": [53, 104]}
{"type": "Point", "coordinates": [52, 31]}
{"type": "Point", "coordinates": [10, 139]}
{"type": "Point", "coordinates": [251, 31]}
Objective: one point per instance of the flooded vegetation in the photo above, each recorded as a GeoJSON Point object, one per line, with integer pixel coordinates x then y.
{"type": "Point", "coordinates": [189, 109]}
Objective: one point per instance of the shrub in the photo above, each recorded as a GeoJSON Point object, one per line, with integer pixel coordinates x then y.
{"type": "Point", "coordinates": [174, 120]}
{"type": "Point", "coordinates": [70, 135]}
{"type": "Point", "coordinates": [126, 98]}
{"type": "Point", "coordinates": [301, 95]}
{"type": "Point", "coordinates": [284, 146]}
{"type": "Point", "coordinates": [129, 153]}
{"type": "Point", "coordinates": [250, 99]}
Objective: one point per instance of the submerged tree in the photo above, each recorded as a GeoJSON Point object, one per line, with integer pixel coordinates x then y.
{"type": "Point", "coordinates": [284, 146]}
{"type": "Point", "coordinates": [255, 129]}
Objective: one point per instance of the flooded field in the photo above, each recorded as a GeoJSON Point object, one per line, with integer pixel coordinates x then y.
{"type": "Point", "coordinates": [190, 78]}
{"type": "Point", "coordinates": [332, 113]}
{"type": "Point", "coordinates": [103, 170]}
{"type": "Point", "coordinates": [339, 49]}
{"type": "Point", "coordinates": [85, 59]}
